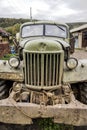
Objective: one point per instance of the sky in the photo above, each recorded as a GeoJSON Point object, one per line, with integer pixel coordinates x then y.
{"type": "Point", "coordinates": [56, 10]}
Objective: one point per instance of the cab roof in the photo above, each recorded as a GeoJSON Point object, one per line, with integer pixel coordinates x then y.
{"type": "Point", "coordinates": [44, 22]}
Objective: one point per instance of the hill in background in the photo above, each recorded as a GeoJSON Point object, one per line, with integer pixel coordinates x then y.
{"type": "Point", "coordinates": [6, 22]}
{"type": "Point", "coordinates": [12, 25]}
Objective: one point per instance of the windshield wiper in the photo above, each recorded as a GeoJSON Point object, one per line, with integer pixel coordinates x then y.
{"type": "Point", "coordinates": [60, 27]}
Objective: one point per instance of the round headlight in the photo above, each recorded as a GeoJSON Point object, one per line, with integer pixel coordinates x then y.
{"type": "Point", "coordinates": [72, 63]}
{"type": "Point", "coordinates": [14, 62]}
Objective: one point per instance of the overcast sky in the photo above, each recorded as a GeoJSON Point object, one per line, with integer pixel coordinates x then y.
{"type": "Point", "coordinates": [59, 10]}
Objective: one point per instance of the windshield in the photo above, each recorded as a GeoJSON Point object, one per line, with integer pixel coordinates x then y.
{"type": "Point", "coordinates": [55, 30]}
{"type": "Point", "coordinates": [46, 30]}
{"type": "Point", "coordinates": [32, 30]}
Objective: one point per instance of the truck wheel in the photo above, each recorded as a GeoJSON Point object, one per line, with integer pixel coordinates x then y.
{"type": "Point", "coordinates": [83, 92]}
{"type": "Point", "coordinates": [3, 89]}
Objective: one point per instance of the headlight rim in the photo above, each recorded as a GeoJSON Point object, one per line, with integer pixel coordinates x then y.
{"type": "Point", "coordinates": [70, 59]}
{"type": "Point", "coordinates": [15, 58]}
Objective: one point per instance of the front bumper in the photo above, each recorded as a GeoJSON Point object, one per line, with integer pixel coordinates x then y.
{"type": "Point", "coordinates": [73, 113]}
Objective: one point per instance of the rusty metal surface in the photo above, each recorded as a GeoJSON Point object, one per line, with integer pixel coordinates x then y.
{"type": "Point", "coordinates": [11, 76]}
{"type": "Point", "coordinates": [21, 113]}
{"type": "Point", "coordinates": [8, 73]}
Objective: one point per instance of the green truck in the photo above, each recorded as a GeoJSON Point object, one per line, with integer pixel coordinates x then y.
{"type": "Point", "coordinates": [43, 80]}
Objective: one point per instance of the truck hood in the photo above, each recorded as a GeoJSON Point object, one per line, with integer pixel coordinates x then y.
{"type": "Point", "coordinates": [46, 40]}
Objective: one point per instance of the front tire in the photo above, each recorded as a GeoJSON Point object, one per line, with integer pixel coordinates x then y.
{"type": "Point", "coordinates": [3, 90]}
{"type": "Point", "coordinates": [83, 92]}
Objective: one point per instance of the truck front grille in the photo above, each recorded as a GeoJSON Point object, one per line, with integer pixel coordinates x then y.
{"type": "Point", "coordinates": [43, 69]}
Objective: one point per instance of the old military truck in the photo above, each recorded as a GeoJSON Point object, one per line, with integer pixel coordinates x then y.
{"type": "Point", "coordinates": [43, 81]}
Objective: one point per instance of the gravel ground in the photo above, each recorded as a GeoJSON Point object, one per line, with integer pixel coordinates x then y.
{"type": "Point", "coordinates": [79, 54]}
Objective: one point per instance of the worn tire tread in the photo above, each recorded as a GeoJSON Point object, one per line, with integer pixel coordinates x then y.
{"type": "Point", "coordinates": [3, 89]}
{"type": "Point", "coordinates": [83, 92]}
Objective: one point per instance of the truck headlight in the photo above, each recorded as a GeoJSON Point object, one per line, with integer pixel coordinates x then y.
{"type": "Point", "coordinates": [72, 63]}
{"type": "Point", "coordinates": [14, 62]}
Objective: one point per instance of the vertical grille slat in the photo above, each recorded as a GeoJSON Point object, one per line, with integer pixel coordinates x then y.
{"type": "Point", "coordinates": [35, 69]}
{"type": "Point", "coordinates": [38, 70]}
{"type": "Point", "coordinates": [50, 69]}
{"type": "Point", "coordinates": [53, 69]}
{"type": "Point", "coordinates": [42, 69]}
{"type": "Point", "coordinates": [57, 70]}
{"type": "Point", "coordinates": [46, 69]}
{"type": "Point", "coordinates": [28, 66]}
{"type": "Point", "coordinates": [31, 68]}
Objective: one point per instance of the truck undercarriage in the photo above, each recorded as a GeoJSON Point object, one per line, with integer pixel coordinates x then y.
{"type": "Point", "coordinates": [63, 108]}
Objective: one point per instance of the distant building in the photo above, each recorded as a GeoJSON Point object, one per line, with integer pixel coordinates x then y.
{"type": "Point", "coordinates": [80, 34]}
{"type": "Point", "coordinates": [4, 42]}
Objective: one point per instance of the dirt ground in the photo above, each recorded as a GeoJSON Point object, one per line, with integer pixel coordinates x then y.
{"type": "Point", "coordinates": [79, 54]}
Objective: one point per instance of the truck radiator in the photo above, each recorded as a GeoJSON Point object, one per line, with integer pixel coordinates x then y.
{"type": "Point", "coordinates": [43, 69]}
